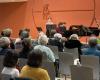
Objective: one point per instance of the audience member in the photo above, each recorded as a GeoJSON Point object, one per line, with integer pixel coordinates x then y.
{"type": "Point", "coordinates": [33, 68]}
{"type": "Point", "coordinates": [56, 41]}
{"type": "Point", "coordinates": [9, 63]}
{"type": "Point", "coordinates": [7, 33]}
{"type": "Point", "coordinates": [92, 49]}
{"type": "Point", "coordinates": [27, 47]}
{"type": "Point", "coordinates": [74, 42]}
{"type": "Point", "coordinates": [23, 33]}
{"type": "Point", "coordinates": [42, 41]}
{"type": "Point", "coordinates": [4, 45]}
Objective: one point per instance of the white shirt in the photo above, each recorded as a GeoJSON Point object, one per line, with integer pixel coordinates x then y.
{"type": "Point", "coordinates": [10, 71]}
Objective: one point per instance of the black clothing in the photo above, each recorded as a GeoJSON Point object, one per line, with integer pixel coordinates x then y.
{"type": "Point", "coordinates": [74, 44]}
{"type": "Point", "coordinates": [55, 42]}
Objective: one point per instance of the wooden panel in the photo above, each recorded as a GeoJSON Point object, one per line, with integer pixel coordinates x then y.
{"type": "Point", "coordinates": [6, 1]}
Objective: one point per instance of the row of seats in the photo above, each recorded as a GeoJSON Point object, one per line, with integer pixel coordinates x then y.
{"type": "Point", "coordinates": [65, 61]}
{"type": "Point", "coordinates": [90, 63]}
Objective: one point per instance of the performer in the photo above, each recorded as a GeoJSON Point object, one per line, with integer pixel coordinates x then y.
{"type": "Point", "coordinates": [49, 26]}
{"type": "Point", "coordinates": [61, 28]}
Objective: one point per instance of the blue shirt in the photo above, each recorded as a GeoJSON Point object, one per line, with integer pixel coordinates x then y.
{"type": "Point", "coordinates": [91, 51]}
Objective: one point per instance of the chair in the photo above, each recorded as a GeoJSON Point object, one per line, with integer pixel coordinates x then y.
{"type": "Point", "coordinates": [1, 64]}
{"type": "Point", "coordinates": [65, 60]}
{"type": "Point", "coordinates": [49, 66]}
{"type": "Point", "coordinates": [22, 62]}
{"type": "Point", "coordinates": [18, 78]}
{"type": "Point", "coordinates": [81, 73]}
{"type": "Point", "coordinates": [92, 62]}
{"type": "Point", "coordinates": [6, 77]}
{"type": "Point", "coordinates": [55, 50]}
{"type": "Point", "coordinates": [73, 51]}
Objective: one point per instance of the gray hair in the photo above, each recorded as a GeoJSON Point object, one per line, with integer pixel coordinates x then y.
{"type": "Point", "coordinates": [92, 41]}
{"type": "Point", "coordinates": [43, 40]}
{"type": "Point", "coordinates": [74, 37]}
{"type": "Point", "coordinates": [5, 41]}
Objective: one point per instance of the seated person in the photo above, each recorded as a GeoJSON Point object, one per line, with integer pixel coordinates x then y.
{"type": "Point", "coordinates": [92, 49]}
{"type": "Point", "coordinates": [33, 68]}
{"type": "Point", "coordinates": [42, 41]}
{"type": "Point", "coordinates": [56, 41]}
{"type": "Point", "coordinates": [23, 33]}
{"type": "Point", "coordinates": [74, 42]}
{"type": "Point", "coordinates": [7, 33]}
{"type": "Point", "coordinates": [4, 45]}
{"type": "Point", "coordinates": [26, 47]}
{"type": "Point", "coordinates": [9, 63]}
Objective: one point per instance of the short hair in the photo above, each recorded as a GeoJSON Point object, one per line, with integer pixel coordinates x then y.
{"type": "Point", "coordinates": [39, 29]}
{"type": "Point", "coordinates": [6, 32]}
{"type": "Point", "coordinates": [43, 40]}
{"type": "Point", "coordinates": [5, 42]}
{"type": "Point", "coordinates": [24, 29]}
{"type": "Point", "coordinates": [26, 42]}
{"type": "Point", "coordinates": [35, 58]}
{"type": "Point", "coordinates": [24, 34]}
{"type": "Point", "coordinates": [57, 35]}
{"type": "Point", "coordinates": [92, 41]}
{"type": "Point", "coordinates": [74, 37]}
{"type": "Point", "coordinates": [10, 59]}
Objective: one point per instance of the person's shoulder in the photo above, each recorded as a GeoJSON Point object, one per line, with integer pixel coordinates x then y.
{"type": "Point", "coordinates": [37, 46]}
{"type": "Point", "coordinates": [42, 70]}
{"type": "Point", "coordinates": [16, 70]}
{"type": "Point", "coordinates": [84, 49]}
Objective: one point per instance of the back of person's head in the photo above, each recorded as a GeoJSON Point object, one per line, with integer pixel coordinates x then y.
{"type": "Point", "coordinates": [53, 31]}
{"type": "Point", "coordinates": [35, 58]}
{"type": "Point", "coordinates": [43, 40]}
{"type": "Point", "coordinates": [4, 42]}
{"type": "Point", "coordinates": [39, 29]}
{"type": "Point", "coordinates": [26, 42]}
{"type": "Point", "coordinates": [60, 23]}
{"type": "Point", "coordinates": [92, 41]}
{"type": "Point", "coordinates": [10, 59]}
{"type": "Point", "coordinates": [6, 32]}
{"type": "Point", "coordinates": [24, 33]}
{"type": "Point", "coordinates": [74, 37]}
{"type": "Point", "coordinates": [57, 35]}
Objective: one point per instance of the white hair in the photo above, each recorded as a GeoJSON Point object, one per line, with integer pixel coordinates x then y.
{"type": "Point", "coordinates": [5, 40]}
{"type": "Point", "coordinates": [43, 40]}
{"type": "Point", "coordinates": [74, 37]}
{"type": "Point", "coordinates": [57, 35]}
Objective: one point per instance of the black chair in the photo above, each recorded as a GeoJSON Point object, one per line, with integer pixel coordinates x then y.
{"type": "Point", "coordinates": [17, 78]}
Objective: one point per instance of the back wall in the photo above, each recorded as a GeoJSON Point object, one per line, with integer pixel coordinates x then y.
{"type": "Point", "coordinates": [35, 12]}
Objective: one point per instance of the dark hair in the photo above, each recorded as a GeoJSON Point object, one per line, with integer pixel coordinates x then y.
{"type": "Point", "coordinates": [26, 42]}
{"type": "Point", "coordinates": [39, 29]}
{"type": "Point", "coordinates": [10, 59]}
{"type": "Point", "coordinates": [35, 58]}
{"type": "Point", "coordinates": [26, 47]}
{"type": "Point", "coordinates": [24, 34]}
{"type": "Point", "coordinates": [92, 42]}
{"type": "Point", "coordinates": [24, 29]}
